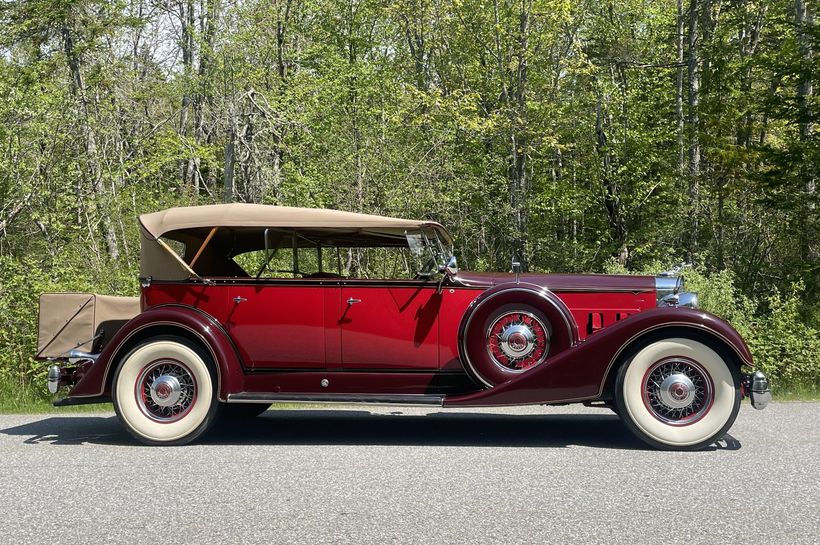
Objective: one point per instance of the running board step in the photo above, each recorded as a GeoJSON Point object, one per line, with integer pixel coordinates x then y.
{"type": "Point", "coordinates": [372, 399]}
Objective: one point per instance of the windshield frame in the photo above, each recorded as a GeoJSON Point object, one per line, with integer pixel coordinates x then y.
{"type": "Point", "coordinates": [437, 254]}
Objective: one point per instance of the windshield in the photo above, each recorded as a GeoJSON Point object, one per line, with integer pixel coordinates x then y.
{"type": "Point", "coordinates": [428, 250]}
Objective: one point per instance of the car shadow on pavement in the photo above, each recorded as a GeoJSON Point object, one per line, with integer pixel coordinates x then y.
{"type": "Point", "coordinates": [72, 430]}
{"type": "Point", "coordinates": [361, 427]}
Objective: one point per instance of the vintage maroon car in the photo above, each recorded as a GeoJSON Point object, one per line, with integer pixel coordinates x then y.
{"type": "Point", "coordinates": [246, 305]}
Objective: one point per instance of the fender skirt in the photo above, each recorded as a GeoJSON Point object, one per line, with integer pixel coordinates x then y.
{"type": "Point", "coordinates": [580, 372]}
{"type": "Point", "coordinates": [165, 319]}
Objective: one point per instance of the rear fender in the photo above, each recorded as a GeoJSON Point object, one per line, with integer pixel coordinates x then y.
{"type": "Point", "coordinates": [580, 372]}
{"type": "Point", "coordinates": [164, 320]}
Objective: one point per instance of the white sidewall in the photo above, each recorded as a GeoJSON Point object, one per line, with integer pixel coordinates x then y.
{"type": "Point", "coordinates": [708, 425]}
{"type": "Point", "coordinates": [133, 416]}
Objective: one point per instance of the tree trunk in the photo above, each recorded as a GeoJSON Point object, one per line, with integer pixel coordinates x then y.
{"type": "Point", "coordinates": [519, 183]}
{"type": "Point", "coordinates": [186, 16]}
{"type": "Point", "coordinates": [92, 167]}
{"type": "Point", "coordinates": [804, 21]}
{"type": "Point", "coordinates": [612, 201]}
{"type": "Point", "coordinates": [679, 39]}
{"type": "Point", "coordinates": [749, 40]}
{"type": "Point", "coordinates": [230, 155]}
{"type": "Point", "coordinates": [694, 131]}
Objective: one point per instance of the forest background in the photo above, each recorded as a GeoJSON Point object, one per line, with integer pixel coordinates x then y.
{"type": "Point", "coordinates": [595, 135]}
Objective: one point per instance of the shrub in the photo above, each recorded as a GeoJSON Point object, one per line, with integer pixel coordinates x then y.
{"type": "Point", "coordinates": [783, 345]}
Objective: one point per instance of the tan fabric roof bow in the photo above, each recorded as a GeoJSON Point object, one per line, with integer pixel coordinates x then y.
{"type": "Point", "coordinates": [260, 215]}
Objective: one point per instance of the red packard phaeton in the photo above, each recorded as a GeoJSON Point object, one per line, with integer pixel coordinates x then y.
{"type": "Point", "coordinates": [246, 305]}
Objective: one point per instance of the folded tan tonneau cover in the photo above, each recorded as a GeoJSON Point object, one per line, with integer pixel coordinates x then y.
{"type": "Point", "coordinates": [82, 321]}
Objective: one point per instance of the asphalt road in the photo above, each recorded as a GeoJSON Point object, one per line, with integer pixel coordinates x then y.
{"type": "Point", "coordinates": [394, 475]}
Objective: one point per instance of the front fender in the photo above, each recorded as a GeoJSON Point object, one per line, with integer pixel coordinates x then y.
{"type": "Point", "coordinates": [159, 320]}
{"type": "Point", "coordinates": [580, 372]}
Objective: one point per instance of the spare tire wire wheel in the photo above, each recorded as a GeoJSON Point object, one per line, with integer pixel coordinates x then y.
{"type": "Point", "coordinates": [517, 341]}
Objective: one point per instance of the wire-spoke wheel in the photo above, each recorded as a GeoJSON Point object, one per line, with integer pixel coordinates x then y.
{"type": "Point", "coordinates": [502, 343]}
{"type": "Point", "coordinates": [164, 391]}
{"type": "Point", "coordinates": [678, 393]}
{"type": "Point", "coordinates": [517, 340]}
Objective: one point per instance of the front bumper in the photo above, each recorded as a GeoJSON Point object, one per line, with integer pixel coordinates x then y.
{"type": "Point", "coordinates": [757, 387]}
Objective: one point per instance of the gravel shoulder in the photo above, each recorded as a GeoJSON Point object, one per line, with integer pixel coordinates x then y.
{"type": "Point", "coordinates": [411, 475]}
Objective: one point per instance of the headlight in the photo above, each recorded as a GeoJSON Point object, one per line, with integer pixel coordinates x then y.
{"type": "Point", "coordinates": [666, 284]}
{"type": "Point", "coordinates": [669, 290]}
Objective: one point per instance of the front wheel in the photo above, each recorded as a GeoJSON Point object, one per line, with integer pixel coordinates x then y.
{"type": "Point", "coordinates": [164, 391]}
{"type": "Point", "coordinates": [678, 394]}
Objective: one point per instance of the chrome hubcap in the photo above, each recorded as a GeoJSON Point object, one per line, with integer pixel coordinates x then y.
{"type": "Point", "coordinates": [678, 391]}
{"type": "Point", "coordinates": [517, 341]}
{"type": "Point", "coordinates": [165, 391]}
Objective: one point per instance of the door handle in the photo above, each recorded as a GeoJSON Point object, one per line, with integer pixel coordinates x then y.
{"type": "Point", "coordinates": [352, 300]}
{"type": "Point", "coordinates": [239, 299]}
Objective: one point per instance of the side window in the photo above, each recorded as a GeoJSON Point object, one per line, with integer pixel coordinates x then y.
{"type": "Point", "coordinates": [177, 246]}
{"type": "Point", "coordinates": [409, 255]}
{"type": "Point", "coordinates": [307, 261]}
{"type": "Point", "coordinates": [283, 265]}
{"type": "Point", "coordinates": [382, 263]}
{"type": "Point", "coordinates": [280, 265]}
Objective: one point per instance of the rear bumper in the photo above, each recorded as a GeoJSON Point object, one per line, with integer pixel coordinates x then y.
{"type": "Point", "coordinates": [756, 386]}
{"type": "Point", "coordinates": [62, 373]}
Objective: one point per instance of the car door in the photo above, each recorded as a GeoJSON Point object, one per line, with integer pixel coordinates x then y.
{"type": "Point", "coordinates": [280, 324]}
{"type": "Point", "coordinates": [390, 325]}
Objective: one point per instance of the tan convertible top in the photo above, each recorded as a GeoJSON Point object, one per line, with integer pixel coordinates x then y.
{"type": "Point", "coordinates": [213, 234]}
{"type": "Point", "coordinates": [260, 215]}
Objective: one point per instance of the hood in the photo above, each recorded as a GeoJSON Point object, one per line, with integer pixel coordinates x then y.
{"type": "Point", "coordinates": [561, 282]}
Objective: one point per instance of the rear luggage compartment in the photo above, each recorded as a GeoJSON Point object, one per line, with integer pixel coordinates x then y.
{"type": "Point", "coordinates": [80, 321]}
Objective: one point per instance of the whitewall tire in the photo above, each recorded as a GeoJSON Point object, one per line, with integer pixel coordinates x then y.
{"type": "Point", "coordinates": [164, 391]}
{"type": "Point", "coordinates": [678, 394]}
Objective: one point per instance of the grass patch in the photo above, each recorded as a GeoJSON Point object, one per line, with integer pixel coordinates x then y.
{"type": "Point", "coordinates": [796, 392]}
{"type": "Point", "coordinates": [29, 400]}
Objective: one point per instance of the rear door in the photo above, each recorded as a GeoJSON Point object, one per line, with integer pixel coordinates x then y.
{"type": "Point", "coordinates": [280, 324]}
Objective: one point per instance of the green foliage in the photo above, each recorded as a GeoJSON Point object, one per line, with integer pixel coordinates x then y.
{"type": "Point", "coordinates": [786, 347]}
{"type": "Point", "coordinates": [782, 344]}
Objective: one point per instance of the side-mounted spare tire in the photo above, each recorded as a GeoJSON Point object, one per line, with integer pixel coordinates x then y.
{"type": "Point", "coordinates": [512, 331]}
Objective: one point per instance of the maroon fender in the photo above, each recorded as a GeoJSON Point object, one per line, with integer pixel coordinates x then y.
{"type": "Point", "coordinates": [472, 338]}
{"type": "Point", "coordinates": [580, 372]}
{"type": "Point", "coordinates": [163, 320]}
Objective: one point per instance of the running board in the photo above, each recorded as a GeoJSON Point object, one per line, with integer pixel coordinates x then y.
{"type": "Point", "coordinates": [370, 399]}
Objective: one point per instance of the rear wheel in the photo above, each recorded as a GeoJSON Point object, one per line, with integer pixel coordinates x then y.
{"type": "Point", "coordinates": [678, 394]}
{"type": "Point", "coordinates": [164, 391]}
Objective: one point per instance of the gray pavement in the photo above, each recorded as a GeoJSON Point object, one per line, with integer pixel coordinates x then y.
{"type": "Point", "coordinates": [397, 475]}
